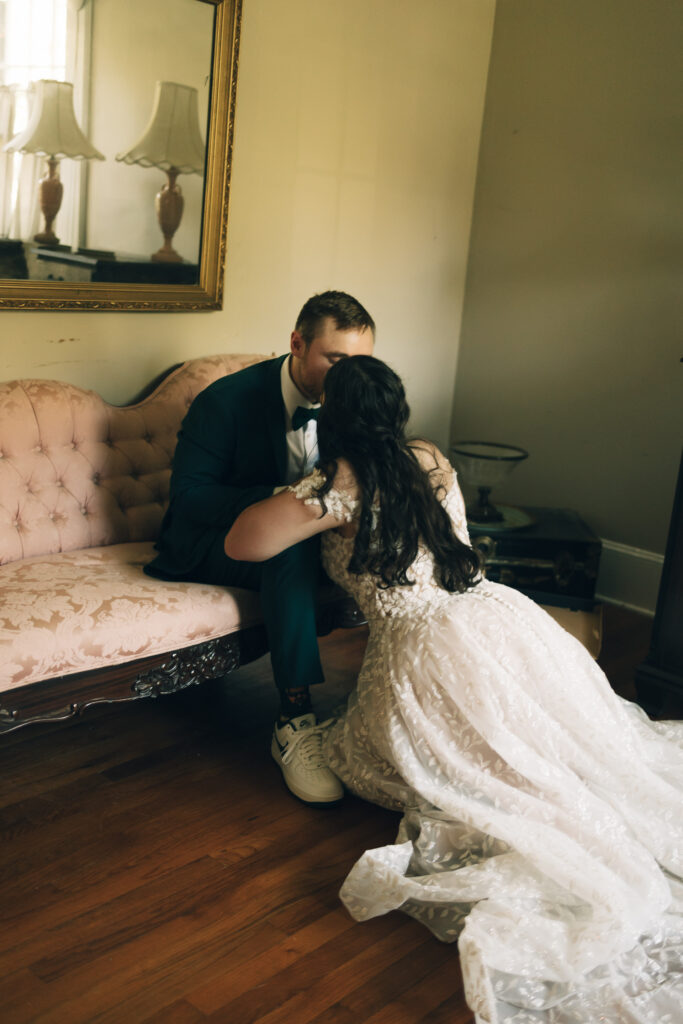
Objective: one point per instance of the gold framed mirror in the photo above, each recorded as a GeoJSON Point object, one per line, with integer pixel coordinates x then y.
{"type": "Point", "coordinates": [108, 278]}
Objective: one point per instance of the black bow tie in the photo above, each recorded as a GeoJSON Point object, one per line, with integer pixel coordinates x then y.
{"type": "Point", "coordinates": [302, 415]}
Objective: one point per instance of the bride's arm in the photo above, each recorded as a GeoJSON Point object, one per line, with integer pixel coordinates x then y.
{"type": "Point", "coordinates": [268, 527]}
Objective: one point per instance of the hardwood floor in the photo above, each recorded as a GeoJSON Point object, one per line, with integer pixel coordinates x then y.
{"type": "Point", "coordinates": [154, 869]}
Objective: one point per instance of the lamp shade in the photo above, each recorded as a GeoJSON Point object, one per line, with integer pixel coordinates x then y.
{"type": "Point", "coordinates": [171, 140]}
{"type": "Point", "coordinates": [52, 129]}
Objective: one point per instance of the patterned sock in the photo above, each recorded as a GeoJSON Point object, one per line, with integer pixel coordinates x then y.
{"type": "Point", "coordinates": [294, 703]}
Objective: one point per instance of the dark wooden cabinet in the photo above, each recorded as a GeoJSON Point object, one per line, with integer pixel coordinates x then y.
{"type": "Point", "coordinates": [662, 671]}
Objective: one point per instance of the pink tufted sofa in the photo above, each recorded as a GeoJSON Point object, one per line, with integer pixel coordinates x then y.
{"type": "Point", "coordinates": [83, 487]}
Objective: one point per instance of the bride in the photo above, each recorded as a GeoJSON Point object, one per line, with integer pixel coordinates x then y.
{"type": "Point", "coordinates": [542, 822]}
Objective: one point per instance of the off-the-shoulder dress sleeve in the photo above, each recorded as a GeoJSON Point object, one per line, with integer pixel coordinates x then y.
{"type": "Point", "coordinates": [337, 502]}
{"type": "Point", "coordinates": [455, 506]}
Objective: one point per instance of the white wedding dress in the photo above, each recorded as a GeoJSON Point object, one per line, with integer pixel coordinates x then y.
{"type": "Point", "coordinates": [542, 824]}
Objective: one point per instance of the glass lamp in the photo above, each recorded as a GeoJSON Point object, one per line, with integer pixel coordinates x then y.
{"type": "Point", "coordinates": [484, 465]}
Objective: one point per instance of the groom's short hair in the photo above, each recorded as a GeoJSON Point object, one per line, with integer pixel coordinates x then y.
{"type": "Point", "coordinates": [347, 313]}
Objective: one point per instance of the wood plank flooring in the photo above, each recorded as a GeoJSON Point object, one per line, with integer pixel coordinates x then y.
{"type": "Point", "coordinates": [153, 868]}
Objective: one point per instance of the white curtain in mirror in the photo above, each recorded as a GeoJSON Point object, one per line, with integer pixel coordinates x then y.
{"type": "Point", "coordinates": [34, 46]}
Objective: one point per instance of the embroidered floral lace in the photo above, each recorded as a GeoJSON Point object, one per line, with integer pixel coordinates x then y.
{"type": "Point", "coordinates": [542, 815]}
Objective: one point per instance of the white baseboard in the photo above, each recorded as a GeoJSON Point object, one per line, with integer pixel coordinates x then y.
{"type": "Point", "coordinates": [629, 576]}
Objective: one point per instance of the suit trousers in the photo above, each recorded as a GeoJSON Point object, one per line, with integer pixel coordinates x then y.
{"type": "Point", "coordinates": [288, 587]}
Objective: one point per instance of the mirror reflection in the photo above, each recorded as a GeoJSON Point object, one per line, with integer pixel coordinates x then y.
{"type": "Point", "coordinates": [103, 123]}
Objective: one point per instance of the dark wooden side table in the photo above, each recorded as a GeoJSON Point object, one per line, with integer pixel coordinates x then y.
{"type": "Point", "coordinates": [662, 670]}
{"type": "Point", "coordinates": [131, 271]}
{"type": "Point", "coordinates": [12, 259]}
{"type": "Point", "coordinates": [61, 263]}
{"type": "Point", "coordinates": [553, 561]}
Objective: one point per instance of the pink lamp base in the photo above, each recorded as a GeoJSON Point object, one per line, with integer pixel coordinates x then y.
{"type": "Point", "coordinates": [169, 206]}
{"type": "Point", "coordinates": [50, 191]}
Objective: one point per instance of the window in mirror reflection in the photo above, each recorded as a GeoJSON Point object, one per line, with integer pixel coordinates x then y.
{"type": "Point", "coordinates": [34, 46]}
{"type": "Point", "coordinates": [132, 65]}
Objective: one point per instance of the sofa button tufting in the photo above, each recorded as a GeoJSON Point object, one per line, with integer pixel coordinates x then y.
{"type": "Point", "coordinates": [96, 479]}
{"type": "Point", "coordinates": [148, 438]}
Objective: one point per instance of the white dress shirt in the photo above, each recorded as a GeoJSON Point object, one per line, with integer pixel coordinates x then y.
{"type": "Point", "coordinates": [302, 444]}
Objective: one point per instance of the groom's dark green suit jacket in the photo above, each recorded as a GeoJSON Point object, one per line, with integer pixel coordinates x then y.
{"type": "Point", "coordinates": [231, 452]}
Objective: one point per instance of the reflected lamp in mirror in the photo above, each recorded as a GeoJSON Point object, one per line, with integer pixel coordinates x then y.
{"type": "Point", "coordinates": [484, 465]}
{"type": "Point", "coordinates": [173, 143]}
{"type": "Point", "coordinates": [53, 132]}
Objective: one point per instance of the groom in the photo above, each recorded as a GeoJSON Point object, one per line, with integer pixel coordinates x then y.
{"type": "Point", "coordinates": [244, 437]}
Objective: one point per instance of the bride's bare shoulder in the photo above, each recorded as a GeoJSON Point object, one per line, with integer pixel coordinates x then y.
{"type": "Point", "coordinates": [434, 462]}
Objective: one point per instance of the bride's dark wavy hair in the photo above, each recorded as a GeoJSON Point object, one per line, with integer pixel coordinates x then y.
{"type": "Point", "coordinates": [363, 419]}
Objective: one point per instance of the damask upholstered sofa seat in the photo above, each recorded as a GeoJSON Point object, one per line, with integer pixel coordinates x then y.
{"type": "Point", "coordinates": [88, 609]}
{"type": "Point", "coordinates": [83, 487]}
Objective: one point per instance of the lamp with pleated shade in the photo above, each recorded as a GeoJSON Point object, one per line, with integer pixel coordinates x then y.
{"type": "Point", "coordinates": [173, 143]}
{"type": "Point", "coordinates": [52, 131]}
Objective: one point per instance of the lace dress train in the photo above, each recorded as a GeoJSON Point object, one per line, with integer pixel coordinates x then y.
{"type": "Point", "coordinates": [542, 822]}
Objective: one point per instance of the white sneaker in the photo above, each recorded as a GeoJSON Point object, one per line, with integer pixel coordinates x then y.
{"type": "Point", "coordinates": [297, 746]}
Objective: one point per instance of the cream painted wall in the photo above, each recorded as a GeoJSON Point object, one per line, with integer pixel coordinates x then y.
{"type": "Point", "coordinates": [356, 143]}
{"type": "Point", "coordinates": [572, 325]}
